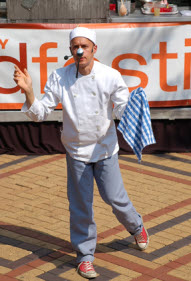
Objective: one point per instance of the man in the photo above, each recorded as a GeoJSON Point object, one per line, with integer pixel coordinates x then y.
{"type": "Point", "coordinates": [89, 91]}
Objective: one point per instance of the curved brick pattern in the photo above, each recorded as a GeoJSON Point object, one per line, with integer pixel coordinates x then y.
{"type": "Point", "coordinates": [34, 223]}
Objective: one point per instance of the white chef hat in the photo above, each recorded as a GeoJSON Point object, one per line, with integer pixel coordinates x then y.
{"type": "Point", "coordinates": [83, 32]}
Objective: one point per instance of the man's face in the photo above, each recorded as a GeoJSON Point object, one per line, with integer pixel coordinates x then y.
{"type": "Point", "coordinates": [89, 50]}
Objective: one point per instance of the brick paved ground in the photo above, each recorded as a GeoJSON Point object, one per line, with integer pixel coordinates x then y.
{"type": "Point", "coordinates": [34, 222]}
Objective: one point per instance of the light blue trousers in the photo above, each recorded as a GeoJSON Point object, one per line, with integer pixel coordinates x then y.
{"type": "Point", "coordinates": [80, 194]}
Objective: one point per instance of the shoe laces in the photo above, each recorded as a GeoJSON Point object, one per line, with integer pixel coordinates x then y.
{"type": "Point", "coordinates": [88, 265]}
{"type": "Point", "coordinates": [141, 238]}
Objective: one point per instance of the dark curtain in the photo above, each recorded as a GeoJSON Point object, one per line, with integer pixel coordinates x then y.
{"type": "Point", "coordinates": [26, 138]}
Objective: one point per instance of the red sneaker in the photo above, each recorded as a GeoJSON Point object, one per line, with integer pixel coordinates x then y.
{"type": "Point", "coordinates": [86, 269]}
{"type": "Point", "coordinates": [142, 239]}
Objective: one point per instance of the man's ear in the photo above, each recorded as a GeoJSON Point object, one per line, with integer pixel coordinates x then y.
{"type": "Point", "coordinates": [94, 49]}
{"type": "Point", "coordinates": [71, 51]}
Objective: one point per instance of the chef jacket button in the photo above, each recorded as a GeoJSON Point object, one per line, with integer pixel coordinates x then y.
{"type": "Point", "coordinates": [96, 112]}
{"type": "Point", "coordinates": [75, 96]}
{"type": "Point", "coordinates": [94, 94]}
{"type": "Point", "coordinates": [98, 128]}
{"type": "Point", "coordinates": [93, 77]}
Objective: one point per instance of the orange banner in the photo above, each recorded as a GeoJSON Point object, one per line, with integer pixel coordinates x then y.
{"type": "Point", "coordinates": [155, 56]}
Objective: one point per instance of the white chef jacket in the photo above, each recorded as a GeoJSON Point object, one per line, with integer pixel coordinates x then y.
{"type": "Point", "coordinates": [89, 132]}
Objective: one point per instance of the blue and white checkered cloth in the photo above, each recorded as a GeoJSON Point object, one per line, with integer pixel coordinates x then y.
{"type": "Point", "coordinates": [135, 124]}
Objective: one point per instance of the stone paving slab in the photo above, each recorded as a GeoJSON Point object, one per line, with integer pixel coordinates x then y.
{"type": "Point", "coordinates": [34, 221]}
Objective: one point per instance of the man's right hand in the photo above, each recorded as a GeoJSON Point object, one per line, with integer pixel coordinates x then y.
{"type": "Point", "coordinates": [24, 81]}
